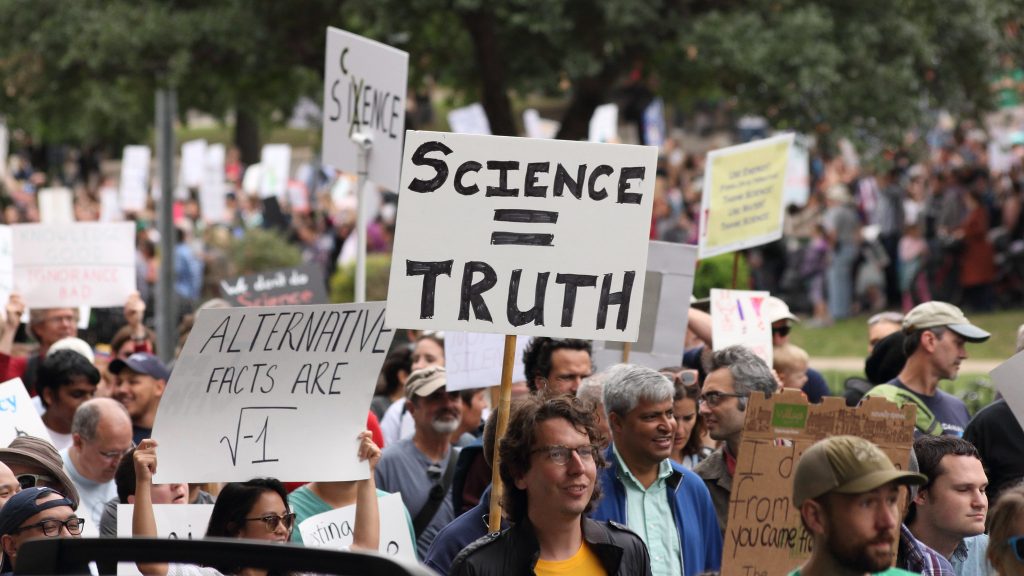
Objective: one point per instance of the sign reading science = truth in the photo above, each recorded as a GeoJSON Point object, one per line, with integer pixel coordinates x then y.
{"type": "Point", "coordinates": [521, 236]}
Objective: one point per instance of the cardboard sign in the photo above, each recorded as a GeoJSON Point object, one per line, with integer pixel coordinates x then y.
{"type": "Point", "coordinates": [667, 290]}
{"type": "Point", "coordinates": [134, 177]}
{"type": "Point", "coordinates": [286, 287]}
{"type": "Point", "coordinates": [333, 529]}
{"type": "Point", "coordinates": [736, 318]}
{"type": "Point", "coordinates": [86, 263]}
{"type": "Point", "coordinates": [469, 120]}
{"type": "Point", "coordinates": [604, 124]}
{"type": "Point", "coordinates": [275, 166]}
{"type": "Point", "coordinates": [193, 164]}
{"type": "Point", "coordinates": [18, 417]}
{"type": "Point", "coordinates": [521, 236]}
{"type": "Point", "coordinates": [212, 191]}
{"type": "Point", "coordinates": [173, 521]}
{"type": "Point", "coordinates": [742, 202]}
{"type": "Point", "coordinates": [1006, 378]}
{"type": "Point", "coordinates": [537, 127]}
{"type": "Point", "coordinates": [280, 392]}
{"type": "Point", "coordinates": [364, 93]}
{"type": "Point", "coordinates": [56, 206]}
{"type": "Point", "coordinates": [474, 360]}
{"type": "Point", "coordinates": [764, 534]}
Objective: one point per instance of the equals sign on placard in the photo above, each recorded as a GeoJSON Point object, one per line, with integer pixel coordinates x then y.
{"type": "Point", "coordinates": [501, 238]}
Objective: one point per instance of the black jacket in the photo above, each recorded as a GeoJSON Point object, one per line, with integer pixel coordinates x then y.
{"type": "Point", "coordinates": [516, 550]}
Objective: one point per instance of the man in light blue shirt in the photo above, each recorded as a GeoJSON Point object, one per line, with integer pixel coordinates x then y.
{"type": "Point", "coordinates": [666, 505]}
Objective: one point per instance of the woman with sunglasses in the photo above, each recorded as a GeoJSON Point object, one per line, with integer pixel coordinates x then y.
{"type": "Point", "coordinates": [1006, 533]}
{"type": "Point", "coordinates": [254, 510]}
{"type": "Point", "coordinates": [688, 447]}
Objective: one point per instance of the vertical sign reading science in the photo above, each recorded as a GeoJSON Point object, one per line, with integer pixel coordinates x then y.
{"type": "Point", "coordinates": [364, 93]}
{"type": "Point", "coordinates": [522, 236]}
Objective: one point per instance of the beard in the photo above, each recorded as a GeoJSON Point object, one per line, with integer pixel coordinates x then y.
{"type": "Point", "coordinates": [854, 553]}
{"type": "Point", "coordinates": [445, 426]}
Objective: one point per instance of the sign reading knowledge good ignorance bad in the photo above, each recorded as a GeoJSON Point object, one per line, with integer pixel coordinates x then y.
{"type": "Point", "coordinates": [522, 236]}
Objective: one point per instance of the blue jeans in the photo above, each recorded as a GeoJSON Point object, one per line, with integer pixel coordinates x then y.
{"type": "Point", "coordinates": [840, 281]}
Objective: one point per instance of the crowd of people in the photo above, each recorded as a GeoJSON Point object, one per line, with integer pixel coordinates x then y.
{"type": "Point", "coordinates": [623, 470]}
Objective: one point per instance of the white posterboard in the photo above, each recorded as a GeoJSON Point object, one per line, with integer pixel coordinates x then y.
{"type": "Point", "coordinates": [174, 521]}
{"type": "Point", "coordinates": [4, 148]}
{"type": "Point", "coordinates": [521, 236]}
{"type": "Point", "coordinates": [742, 202]}
{"type": "Point", "coordinates": [6, 268]}
{"type": "Point", "coordinates": [18, 416]}
{"type": "Point", "coordinates": [365, 84]}
{"type": "Point", "coordinates": [537, 127]}
{"type": "Point", "coordinates": [56, 206]}
{"type": "Point", "coordinates": [604, 124]}
{"type": "Point", "coordinates": [134, 177]}
{"type": "Point", "coordinates": [737, 318]}
{"type": "Point", "coordinates": [275, 166]}
{"type": "Point", "coordinates": [654, 123]}
{"type": "Point", "coordinates": [470, 119]}
{"type": "Point", "coordinates": [1006, 378]}
{"type": "Point", "coordinates": [798, 174]}
{"type": "Point", "coordinates": [81, 264]}
{"type": "Point", "coordinates": [110, 209]}
{"type": "Point", "coordinates": [212, 191]}
{"type": "Point", "coordinates": [280, 392]}
{"type": "Point", "coordinates": [333, 529]}
{"type": "Point", "coordinates": [193, 163]}
{"type": "Point", "coordinates": [666, 297]}
{"type": "Point", "coordinates": [474, 360]}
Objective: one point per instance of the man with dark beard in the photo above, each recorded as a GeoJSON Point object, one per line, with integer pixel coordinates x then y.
{"type": "Point", "coordinates": [848, 493]}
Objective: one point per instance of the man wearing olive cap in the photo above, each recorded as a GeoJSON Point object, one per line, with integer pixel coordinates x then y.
{"type": "Point", "coordinates": [935, 345]}
{"type": "Point", "coordinates": [848, 493]}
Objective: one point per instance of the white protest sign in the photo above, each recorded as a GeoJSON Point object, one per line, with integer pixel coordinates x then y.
{"type": "Point", "coordinates": [737, 318]}
{"type": "Point", "coordinates": [275, 166]}
{"type": "Point", "coordinates": [280, 392]}
{"type": "Point", "coordinates": [798, 174]}
{"type": "Point", "coordinates": [193, 163]}
{"type": "Point", "coordinates": [474, 360]}
{"type": "Point", "coordinates": [604, 124]}
{"type": "Point", "coordinates": [333, 529]}
{"type": "Point", "coordinates": [654, 123]}
{"type": "Point", "coordinates": [86, 263]}
{"type": "Point", "coordinates": [471, 119]}
{"type": "Point", "coordinates": [56, 206]}
{"type": "Point", "coordinates": [4, 148]}
{"type": "Point", "coordinates": [537, 127]}
{"type": "Point", "coordinates": [110, 209]}
{"type": "Point", "coordinates": [212, 191]}
{"type": "Point", "coordinates": [365, 83]}
{"type": "Point", "coordinates": [18, 417]}
{"type": "Point", "coordinates": [666, 297]}
{"type": "Point", "coordinates": [1006, 378]}
{"type": "Point", "coordinates": [6, 266]}
{"type": "Point", "coordinates": [741, 204]}
{"type": "Point", "coordinates": [173, 521]}
{"type": "Point", "coordinates": [521, 236]}
{"type": "Point", "coordinates": [134, 177]}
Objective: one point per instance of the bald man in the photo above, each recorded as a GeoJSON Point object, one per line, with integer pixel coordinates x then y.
{"type": "Point", "coordinates": [101, 433]}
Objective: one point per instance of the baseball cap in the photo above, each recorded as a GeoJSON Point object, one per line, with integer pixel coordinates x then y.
{"type": "Point", "coordinates": [846, 465]}
{"type": "Point", "coordinates": [774, 309]}
{"type": "Point", "coordinates": [142, 363]}
{"type": "Point", "coordinates": [23, 506]}
{"type": "Point", "coordinates": [934, 314]}
{"type": "Point", "coordinates": [32, 451]}
{"type": "Point", "coordinates": [426, 381]}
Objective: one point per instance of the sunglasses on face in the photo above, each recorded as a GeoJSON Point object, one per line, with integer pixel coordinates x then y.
{"type": "Point", "coordinates": [1017, 545]}
{"type": "Point", "coordinates": [781, 330]}
{"type": "Point", "coordinates": [33, 480]}
{"type": "Point", "coordinates": [52, 526]}
{"type": "Point", "coordinates": [271, 521]}
{"type": "Point", "coordinates": [715, 398]}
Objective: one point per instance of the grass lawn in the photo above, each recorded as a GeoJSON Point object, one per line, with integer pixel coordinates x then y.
{"type": "Point", "coordinates": [974, 389]}
{"type": "Point", "coordinates": [849, 337]}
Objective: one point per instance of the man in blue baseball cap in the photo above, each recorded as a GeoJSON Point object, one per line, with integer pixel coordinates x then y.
{"type": "Point", "coordinates": [34, 513]}
{"type": "Point", "coordinates": [141, 380]}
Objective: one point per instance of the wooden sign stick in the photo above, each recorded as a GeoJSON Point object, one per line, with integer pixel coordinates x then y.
{"type": "Point", "coordinates": [504, 405]}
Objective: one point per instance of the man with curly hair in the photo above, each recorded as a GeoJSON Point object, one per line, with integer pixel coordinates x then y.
{"type": "Point", "coordinates": [557, 365]}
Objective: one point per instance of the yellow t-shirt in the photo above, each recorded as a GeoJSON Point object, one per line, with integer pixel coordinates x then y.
{"type": "Point", "coordinates": [583, 562]}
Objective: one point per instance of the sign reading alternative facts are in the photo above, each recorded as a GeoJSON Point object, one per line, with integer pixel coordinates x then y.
{"type": "Point", "coordinates": [364, 93]}
{"type": "Point", "coordinates": [521, 236]}
{"type": "Point", "coordinates": [68, 265]}
{"type": "Point", "coordinates": [276, 391]}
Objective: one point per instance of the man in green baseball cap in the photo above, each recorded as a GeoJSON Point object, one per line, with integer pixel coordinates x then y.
{"type": "Point", "coordinates": [848, 493]}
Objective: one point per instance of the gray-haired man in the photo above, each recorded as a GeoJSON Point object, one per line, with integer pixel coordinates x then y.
{"type": "Point", "coordinates": [735, 373]}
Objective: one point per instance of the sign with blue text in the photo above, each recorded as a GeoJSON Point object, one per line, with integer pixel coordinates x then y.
{"type": "Point", "coordinates": [364, 93]}
{"type": "Point", "coordinates": [18, 416]}
{"type": "Point", "coordinates": [272, 391]}
{"type": "Point", "coordinates": [522, 236]}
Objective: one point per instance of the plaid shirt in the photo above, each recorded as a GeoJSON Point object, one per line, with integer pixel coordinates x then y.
{"type": "Point", "coordinates": [915, 556]}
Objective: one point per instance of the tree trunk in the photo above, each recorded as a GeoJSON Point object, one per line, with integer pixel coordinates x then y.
{"type": "Point", "coordinates": [588, 94]}
{"type": "Point", "coordinates": [247, 136]}
{"type": "Point", "coordinates": [490, 63]}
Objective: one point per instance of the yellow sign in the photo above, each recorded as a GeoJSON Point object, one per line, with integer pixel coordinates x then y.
{"type": "Point", "coordinates": [742, 204]}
